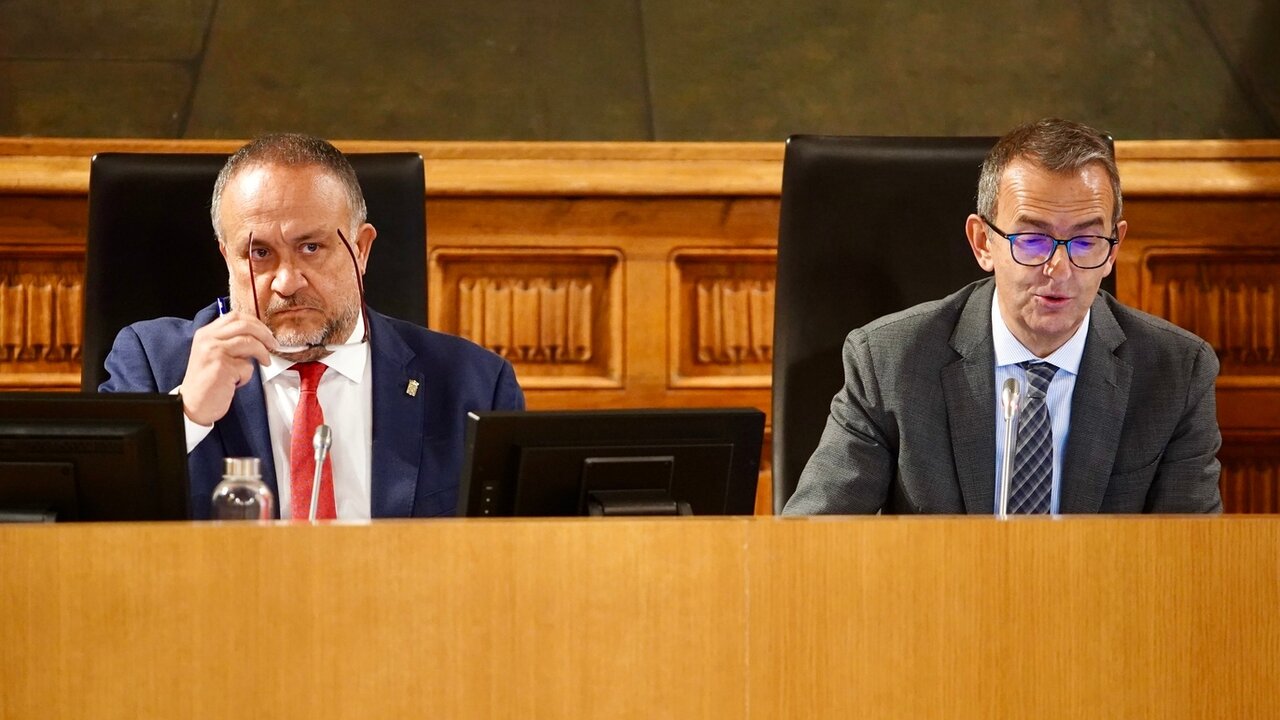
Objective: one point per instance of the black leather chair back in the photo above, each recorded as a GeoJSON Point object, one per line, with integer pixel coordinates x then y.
{"type": "Point", "coordinates": [151, 249]}
{"type": "Point", "coordinates": [868, 226]}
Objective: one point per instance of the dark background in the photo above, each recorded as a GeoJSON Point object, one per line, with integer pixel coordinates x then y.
{"type": "Point", "coordinates": [635, 69]}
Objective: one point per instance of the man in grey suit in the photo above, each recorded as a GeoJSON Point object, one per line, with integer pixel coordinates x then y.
{"type": "Point", "coordinates": [1117, 410]}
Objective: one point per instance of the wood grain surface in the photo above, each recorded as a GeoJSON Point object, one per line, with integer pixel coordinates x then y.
{"type": "Point", "coordinates": [709, 618]}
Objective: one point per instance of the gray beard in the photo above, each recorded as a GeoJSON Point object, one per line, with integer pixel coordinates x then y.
{"type": "Point", "coordinates": [334, 331]}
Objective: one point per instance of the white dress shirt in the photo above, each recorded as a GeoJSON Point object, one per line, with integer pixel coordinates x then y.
{"type": "Point", "coordinates": [1009, 352]}
{"type": "Point", "coordinates": [346, 398]}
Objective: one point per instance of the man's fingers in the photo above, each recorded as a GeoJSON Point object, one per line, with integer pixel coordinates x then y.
{"type": "Point", "coordinates": [246, 374]}
{"type": "Point", "coordinates": [234, 345]}
{"type": "Point", "coordinates": [237, 324]}
{"type": "Point", "coordinates": [244, 347]}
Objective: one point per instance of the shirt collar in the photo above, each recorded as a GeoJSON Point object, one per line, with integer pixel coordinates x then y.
{"type": "Point", "coordinates": [1009, 351]}
{"type": "Point", "coordinates": [348, 360]}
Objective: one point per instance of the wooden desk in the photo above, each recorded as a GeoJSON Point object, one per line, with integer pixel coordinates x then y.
{"type": "Point", "coordinates": [714, 618]}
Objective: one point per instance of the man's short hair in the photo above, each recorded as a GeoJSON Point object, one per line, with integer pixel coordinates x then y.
{"type": "Point", "coordinates": [291, 150]}
{"type": "Point", "coordinates": [1055, 145]}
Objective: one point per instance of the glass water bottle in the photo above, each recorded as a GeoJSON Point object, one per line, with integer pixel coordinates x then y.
{"type": "Point", "coordinates": [242, 495]}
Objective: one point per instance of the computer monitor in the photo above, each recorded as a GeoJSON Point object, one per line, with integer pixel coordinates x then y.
{"type": "Point", "coordinates": [70, 457]}
{"type": "Point", "coordinates": [611, 462]}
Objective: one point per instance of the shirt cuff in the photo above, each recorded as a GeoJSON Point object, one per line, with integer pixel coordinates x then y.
{"type": "Point", "coordinates": [196, 433]}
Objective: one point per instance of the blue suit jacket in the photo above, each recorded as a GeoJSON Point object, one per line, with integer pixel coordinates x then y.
{"type": "Point", "coordinates": [417, 440]}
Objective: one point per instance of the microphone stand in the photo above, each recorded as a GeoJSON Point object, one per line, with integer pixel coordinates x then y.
{"type": "Point", "coordinates": [320, 442]}
{"type": "Point", "coordinates": [1009, 397]}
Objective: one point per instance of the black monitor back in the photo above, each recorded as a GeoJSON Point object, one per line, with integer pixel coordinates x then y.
{"type": "Point", "coordinates": [560, 463]}
{"type": "Point", "coordinates": [92, 457]}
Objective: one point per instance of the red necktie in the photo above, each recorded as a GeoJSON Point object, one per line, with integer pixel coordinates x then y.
{"type": "Point", "coordinates": [302, 455]}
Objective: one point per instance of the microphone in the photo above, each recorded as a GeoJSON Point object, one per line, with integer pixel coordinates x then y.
{"type": "Point", "coordinates": [321, 441]}
{"type": "Point", "coordinates": [1009, 397]}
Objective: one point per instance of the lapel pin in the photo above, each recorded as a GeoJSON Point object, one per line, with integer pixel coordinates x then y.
{"type": "Point", "coordinates": [411, 389]}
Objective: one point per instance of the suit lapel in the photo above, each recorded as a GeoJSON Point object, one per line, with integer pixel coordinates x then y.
{"type": "Point", "coordinates": [1098, 406]}
{"type": "Point", "coordinates": [397, 421]}
{"type": "Point", "coordinates": [968, 386]}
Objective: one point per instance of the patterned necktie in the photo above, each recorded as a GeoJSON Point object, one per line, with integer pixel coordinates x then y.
{"type": "Point", "coordinates": [302, 458]}
{"type": "Point", "coordinates": [1032, 485]}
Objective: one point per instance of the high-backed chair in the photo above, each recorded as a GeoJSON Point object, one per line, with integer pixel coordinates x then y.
{"type": "Point", "coordinates": [151, 249]}
{"type": "Point", "coordinates": [868, 226]}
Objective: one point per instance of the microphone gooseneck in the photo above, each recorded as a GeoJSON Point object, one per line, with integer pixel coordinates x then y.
{"type": "Point", "coordinates": [321, 442]}
{"type": "Point", "coordinates": [1009, 399]}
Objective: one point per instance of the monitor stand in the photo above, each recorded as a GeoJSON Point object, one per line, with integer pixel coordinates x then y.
{"type": "Point", "coordinates": [602, 503]}
{"type": "Point", "coordinates": [634, 485]}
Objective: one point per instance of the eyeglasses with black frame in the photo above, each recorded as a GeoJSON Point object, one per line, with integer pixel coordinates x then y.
{"type": "Point", "coordinates": [290, 349]}
{"type": "Point", "coordinates": [1035, 249]}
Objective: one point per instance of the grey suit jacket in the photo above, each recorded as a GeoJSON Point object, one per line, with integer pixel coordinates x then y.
{"type": "Point", "coordinates": [912, 430]}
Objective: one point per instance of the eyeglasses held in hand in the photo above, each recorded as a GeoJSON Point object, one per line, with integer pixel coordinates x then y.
{"type": "Point", "coordinates": [1034, 249]}
{"type": "Point", "coordinates": [290, 349]}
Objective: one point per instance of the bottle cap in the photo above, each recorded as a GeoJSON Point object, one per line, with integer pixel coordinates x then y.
{"type": "Point", "coordinates": [241, 467]}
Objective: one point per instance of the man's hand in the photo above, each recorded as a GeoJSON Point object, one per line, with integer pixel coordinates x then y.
{"type": "Point", "coordinates": [222, 355]}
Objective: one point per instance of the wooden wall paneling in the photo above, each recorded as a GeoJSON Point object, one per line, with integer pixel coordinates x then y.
{"type": "Point", "coordinates": [643, 234]}
{"type": "Point", "coordinates": [720, 315]}
{"type": "Point", "coordinates": [41, 282]}
{"type": "Point", "coordinates": [555, 314]}
{"type": "Point", "coordinates": [662, 254]}
{"type": "Point", "coordinates": [1230, 296]}
{"type": "Point", "coordinates": [41, 298]}
{"type": "Point", "coordinates": [720, 331]}
{"type": "Point", "coordinates": [642, 237]}
{"type": "Point", "coordinates": [1251, 472]}
{"type": "Point", "coordinates": [1211, 264]}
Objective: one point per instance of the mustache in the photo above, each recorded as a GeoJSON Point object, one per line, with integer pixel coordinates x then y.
{"type": "Point", "coordinates": [290, 303]}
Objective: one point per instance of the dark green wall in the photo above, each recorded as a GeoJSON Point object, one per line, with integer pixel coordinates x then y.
{"type": "Point", "coordinates": [635, 69]}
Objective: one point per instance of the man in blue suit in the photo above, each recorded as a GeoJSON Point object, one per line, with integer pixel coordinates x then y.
{"type": "Point", "coordinates": [289, 216]}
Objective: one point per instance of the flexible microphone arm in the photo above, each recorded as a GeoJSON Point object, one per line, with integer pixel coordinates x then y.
{"type": "Point", "coordinates": [1009, 396]}
{"type": "Point", "coordinates": [321, 441]}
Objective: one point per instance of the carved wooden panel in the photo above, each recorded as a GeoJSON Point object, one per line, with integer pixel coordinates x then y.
{"type": "Point", "coordinates": [721, 317]}
{"type": "Point", "coordinates": [1250, 479]}
{"type": "Point", "coordinates": [1229, 297]}
{"type": "Point", "coordinates": [556, 315]}
{"type": "Point", "coordinates": [40, 322]}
